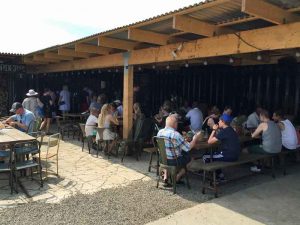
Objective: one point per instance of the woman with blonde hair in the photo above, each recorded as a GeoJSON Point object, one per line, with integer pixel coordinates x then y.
{"type": "Point", "coordinates": [107, 120]}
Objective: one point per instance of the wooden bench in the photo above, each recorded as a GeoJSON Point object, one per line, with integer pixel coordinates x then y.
{"type": "Point", "coordinates": [282, 155]}
{"type": "Point", "coordinates": [214, 166]}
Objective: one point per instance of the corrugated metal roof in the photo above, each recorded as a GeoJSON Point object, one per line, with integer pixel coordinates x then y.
{"type": "Point", "coordinates": [10, 54]}
{"type": "Point", "coordinates": [222, 11]}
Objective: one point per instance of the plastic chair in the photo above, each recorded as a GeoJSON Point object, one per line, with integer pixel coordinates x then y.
{"type": "Point", "coordinates": [51, 151]}
{"type": "Point", "coordinates": [6, 166]}
{"type": "Point", "coordinates": [25, 154]}
{"type": "Point", "coordinates": [160, 143]}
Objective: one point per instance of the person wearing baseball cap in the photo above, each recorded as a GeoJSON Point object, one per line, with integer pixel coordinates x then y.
{"type": "Point", "coordinates": [229, 142]}
{"type": "Point", "coordinates": [22, 118]}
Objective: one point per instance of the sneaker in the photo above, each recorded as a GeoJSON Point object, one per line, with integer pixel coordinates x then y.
{"type": "Point", "coordinates": [255, 169]}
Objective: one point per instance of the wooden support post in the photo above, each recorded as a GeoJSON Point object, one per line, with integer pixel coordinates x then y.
{"type": "Point", "coordinates": [127, 97]}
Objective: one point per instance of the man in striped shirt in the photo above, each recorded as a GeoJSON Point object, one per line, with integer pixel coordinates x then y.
{"type": "Point", "coordinates": [177, 148]}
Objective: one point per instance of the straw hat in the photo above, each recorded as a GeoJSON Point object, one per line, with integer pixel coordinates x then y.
{"type": "Point", "coordinates": [31, 92]}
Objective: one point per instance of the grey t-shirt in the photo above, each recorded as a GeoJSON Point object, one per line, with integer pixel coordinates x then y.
{"type": "Point", "coordinates": [271, 138]}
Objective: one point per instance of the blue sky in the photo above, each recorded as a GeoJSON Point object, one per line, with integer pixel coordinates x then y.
{"type": "Point", "coordinates": [31, 25]}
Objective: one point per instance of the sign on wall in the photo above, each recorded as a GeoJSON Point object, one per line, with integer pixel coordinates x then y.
{"type": "Point", "coordinates": [12, 68]}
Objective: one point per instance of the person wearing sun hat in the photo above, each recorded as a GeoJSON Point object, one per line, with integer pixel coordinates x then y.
{"type": "Point", "coordinates": [32, 102]}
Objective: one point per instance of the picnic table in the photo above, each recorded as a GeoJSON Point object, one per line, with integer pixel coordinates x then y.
{"type": "Point", "coordinates": [11, 136]}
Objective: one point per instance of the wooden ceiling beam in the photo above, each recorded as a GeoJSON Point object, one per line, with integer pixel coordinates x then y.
{"type": "Point", "coordinates": [92, 49]}
{"type": "Point", "coordinates": [268, 12]}
{"type": "Point", "coordinates": [237, 21]}
{"type": "Point", "coordinates": [264, 39]}
{"type": "Point", "coordinates": [72, 53]}
{"type": "Point", "coordinates": [116, 43]}
{"type": "Point", "coordinates": [33, 62]}
{"type": "Point", "coordinates": [41, 58]}
{"type": "Point", "coordinates": [147, 36]}
{"type": "Point", "coordinates": [191, 25]}
{"type": "Point", "coordinates": [54, 55]}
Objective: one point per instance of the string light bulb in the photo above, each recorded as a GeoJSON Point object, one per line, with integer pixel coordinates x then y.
{"type": "Point", "coordinates": [259, 57]}
{"type": "Point", "coordinates": [205, 63]}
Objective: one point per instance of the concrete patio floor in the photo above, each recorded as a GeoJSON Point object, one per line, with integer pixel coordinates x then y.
{"type": "Point", "coordinates": [79, 173]}
{"type": "Point", "coordinates": [273, 202]}
{"type": "Point", "coordinates": [254, 200]}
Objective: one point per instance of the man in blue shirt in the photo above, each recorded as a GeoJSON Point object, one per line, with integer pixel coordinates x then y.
{"type": "Point", "coordinates": [22, 118]}
{"type": "Point", "coordinates": [230, 145]}
{"type": "Point", "coordinates": [195, 117]}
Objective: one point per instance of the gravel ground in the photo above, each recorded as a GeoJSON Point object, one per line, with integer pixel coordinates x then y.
{"type": "Point", "coordinates": [136, 204]}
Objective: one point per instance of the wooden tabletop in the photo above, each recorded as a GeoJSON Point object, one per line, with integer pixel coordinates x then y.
{"type": "Point", "coordinates": [12, 135]}
{"type": "Point", "coordinates": [203, 145]}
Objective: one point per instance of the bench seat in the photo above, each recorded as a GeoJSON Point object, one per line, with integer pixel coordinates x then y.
{"type": "Point", "coordinates": [213, 166]}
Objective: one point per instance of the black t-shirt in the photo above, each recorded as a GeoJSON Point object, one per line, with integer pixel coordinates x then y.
{"type": "Point", "coordinates": [83, 96]}
{"type": "Point", "coordinates": [45, 99]}
{"type": "Point", "coordinates": [230, 143]}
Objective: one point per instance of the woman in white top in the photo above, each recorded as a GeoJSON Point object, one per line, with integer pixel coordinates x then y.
{"type": "Point", "coordinates": [64, 100]}
{"type": "Point", "coordinates": [91, 122]}
{"type": "Point", "coordinates": [106, 120]}
{"type": "Point", "coordinates": [288, 131]}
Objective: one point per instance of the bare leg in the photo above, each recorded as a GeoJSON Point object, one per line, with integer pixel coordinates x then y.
{"type": "Point", "coordinates": [48, 121]}
{"type": "Point", "coordinates": [43, 124]}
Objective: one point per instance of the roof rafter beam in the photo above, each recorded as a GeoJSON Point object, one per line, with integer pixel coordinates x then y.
{"type": "Point", "coordinates": [41, 58]}
{"type": "Point", "coordinates": [87, 48]}
{"type": "Point", "coordinates": [116, 43]}
{"type": "Point", "coordinates": [72, 53]}
{"type": "Point", "coordinates": [53, 55]}
{"type": "Point", "coordinates": [268, 11]}
{"type": "Point", "coordinates": [197, 49]}
{"type": "Point", "coordinates": [191, 25]}
{"type": "Point", "coordinates": [33, 62]}
{"type": "Point", "coordinates": [147, 36]}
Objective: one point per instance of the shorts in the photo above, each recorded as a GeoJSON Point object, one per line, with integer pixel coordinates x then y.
{"type": "Point", "coordinates": [182, 160]}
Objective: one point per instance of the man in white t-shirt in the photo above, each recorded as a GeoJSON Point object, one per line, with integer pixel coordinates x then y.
{"type": "Point", "coordinates": [91, 122]}
{"type": "Point", "coordinates": [288, 131]}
